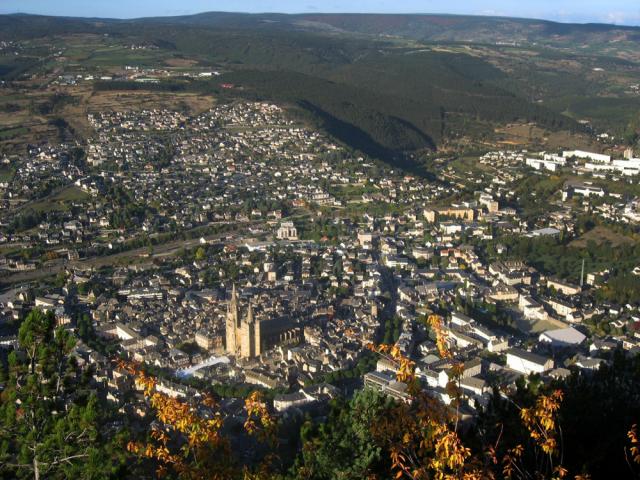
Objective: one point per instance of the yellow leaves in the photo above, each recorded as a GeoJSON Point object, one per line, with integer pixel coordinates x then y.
{"type": "Point", "coordinates": [508, 466]}
{"type": "Point", "coordinates": [177, 417]}
{"type": "Point", "coordinates": [148, 384]}
{"type": "Point", "coordinates": [209, 401]}
{"type": "Point", "coordinates": [540, 421]}
{"type": "Point", "coordinates": [162, 471]}
{"type": "Point", "coordinates": [634, 447]}
{"type": "Point", "coordinates": [405, 367]}
{"type": "Point", "coordinates": [551, 403]}
{"type": "Point", "coordinates": [509, 461]}
{"type": "Point", "coordinates": [549, 446]}
{"type": "Point", "coordinates": [560, 472]}
{"type": "Point", "coordinates": [422, 444]}
{"type": "Point", "coordinates": [129, 367]}
{"type": "Point", "coordinates": [635, 443]}
{"type": "Point", "coordinates": [159, 435]}
{"type": "Point", "coordinates": [435, 321]}
{"type": "Point", "coordinates": [517, 451]}
{"type": "Point", "coordinates": [399, 463]}
{"type": "Point", "coordinates": [475, 475]}
{"type": "Point", "coordinates": [133, 447]}
{"type": "Point", "coordinates": [257, 411]}
{"type": "Point", "coordinates": [449, 450]}
{"type": "Point", "coordinates": [457, 369]}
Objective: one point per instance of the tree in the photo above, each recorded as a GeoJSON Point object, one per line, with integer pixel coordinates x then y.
{"type": "Point", "coordinates": [186, 440]}
{"type": "Point", "coordinates": [49, 423]}
{"type": "Point", "coordinates": [35, 333]}
{"type": "Point", "coordinates": [84, 327]}
{"type": "Point", "coordinates": [423, 439]}
{"type": "Point", "coordinates": [343, 447]}
{"type": "Point", "coordinates": [201, 254]}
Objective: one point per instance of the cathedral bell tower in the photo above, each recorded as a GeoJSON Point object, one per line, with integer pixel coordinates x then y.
{"type": "Point", "coordinates": [233, 325]}
{"type": "Point", "coordinates": [249, 341]}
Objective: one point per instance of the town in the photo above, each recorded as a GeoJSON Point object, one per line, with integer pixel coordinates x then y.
{"type": "Point", "coordinates": [240, 247]}
{"type": "Point", "coordinates": [321, 245]}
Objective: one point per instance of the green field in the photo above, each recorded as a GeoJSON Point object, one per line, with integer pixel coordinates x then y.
{"type": "Point", "coordinates": [12, 132]}
{"type": "Point", "coordinates": [71, 194]}
{"type": "Point", "coordinates": [59, 201]}
{"type": "Point", "coordinates": [119, 57]}
{"type": "Point", "coordinates": [602, 235]}
{"type": "Point", "coordinates": [6, 174]}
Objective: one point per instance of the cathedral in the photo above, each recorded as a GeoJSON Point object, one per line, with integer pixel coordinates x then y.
{"type": "Point", "coordinates": [248, 337]}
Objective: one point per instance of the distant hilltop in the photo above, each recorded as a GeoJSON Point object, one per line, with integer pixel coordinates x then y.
{"type": "Point", "coordinates": [423, 27]}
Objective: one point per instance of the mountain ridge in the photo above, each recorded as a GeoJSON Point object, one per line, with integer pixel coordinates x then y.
{"type": "Point", "coordinates": [405, 24]}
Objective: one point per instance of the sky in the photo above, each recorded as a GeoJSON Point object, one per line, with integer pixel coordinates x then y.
{"type": "Point", "coordinates": [621, 12]}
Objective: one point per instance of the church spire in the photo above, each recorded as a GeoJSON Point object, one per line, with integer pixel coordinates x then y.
{"type": "Point", "coordinates": [233, 301]}
{"type": "Point", "coordinates": [233, 310]}
{"type": "Point", "coordinates": [232, 323]}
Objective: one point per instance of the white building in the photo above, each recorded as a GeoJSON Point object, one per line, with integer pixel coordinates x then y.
{"type": "Point", "coordinates": [562, 337]}
{"type": "Point", "coordinates": [632, 210]}
{"type": "Point", "coordinates": [625, 167]}
{"type": "Point", "coordinates": [488, 201]}
{"type": "Point", "coordinates": [527, 362]}
{"type": "Point", "coordinates": [366, 239]}
{"type": "Point", "coordinates": [564, 287]}
{"type": "Point", "coordinates": [531, 309]}
{"type": "Point", "coordinates": [588, 190]}
{"type": "Point", "coordinates": [539, 164]}
{"type": "Point", "coordinates": [287, 231]}
{"type": "Point", "coordinates": [596, 157]}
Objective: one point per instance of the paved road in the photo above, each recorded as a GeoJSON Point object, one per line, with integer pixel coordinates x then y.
{"type": "Point", "coordinates": [168, 248]}
{"type": "Point", "coordinates": [162, 250]}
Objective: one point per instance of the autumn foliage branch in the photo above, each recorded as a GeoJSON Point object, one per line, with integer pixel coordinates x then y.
{"type": "Point", "coordinates": [186, 439]}
{"type": "Point", "coordinates": [423, 439]}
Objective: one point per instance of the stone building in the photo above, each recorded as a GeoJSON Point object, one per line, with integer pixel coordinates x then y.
{"type": "Point", "coordinates": [249, 337]}
{"type": "Point", "coordinates": [287, 231]}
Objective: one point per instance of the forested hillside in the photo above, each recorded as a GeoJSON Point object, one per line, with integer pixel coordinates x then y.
{"type": "Point", "coordinates": [380, 96]}
{"type": "Point", "coordinates": [387, 84]}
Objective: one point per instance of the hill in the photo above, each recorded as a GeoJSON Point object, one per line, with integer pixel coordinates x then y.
{"type": "Point", "coordinates": [475, 29]}
{"type": "Point", "coordinates": [386, 84]}
{"type": "Point", "coordinates": [427, 27]}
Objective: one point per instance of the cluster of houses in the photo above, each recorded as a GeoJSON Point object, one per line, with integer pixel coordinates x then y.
{"type": "Point", "coordinates": [317, 306]}
{"type": "Point", "coordinates": [589, 193]}
{"type": "Point", "coordinates": [297, 296]}
{"type": "Point", "coordinates": [236, 163]}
